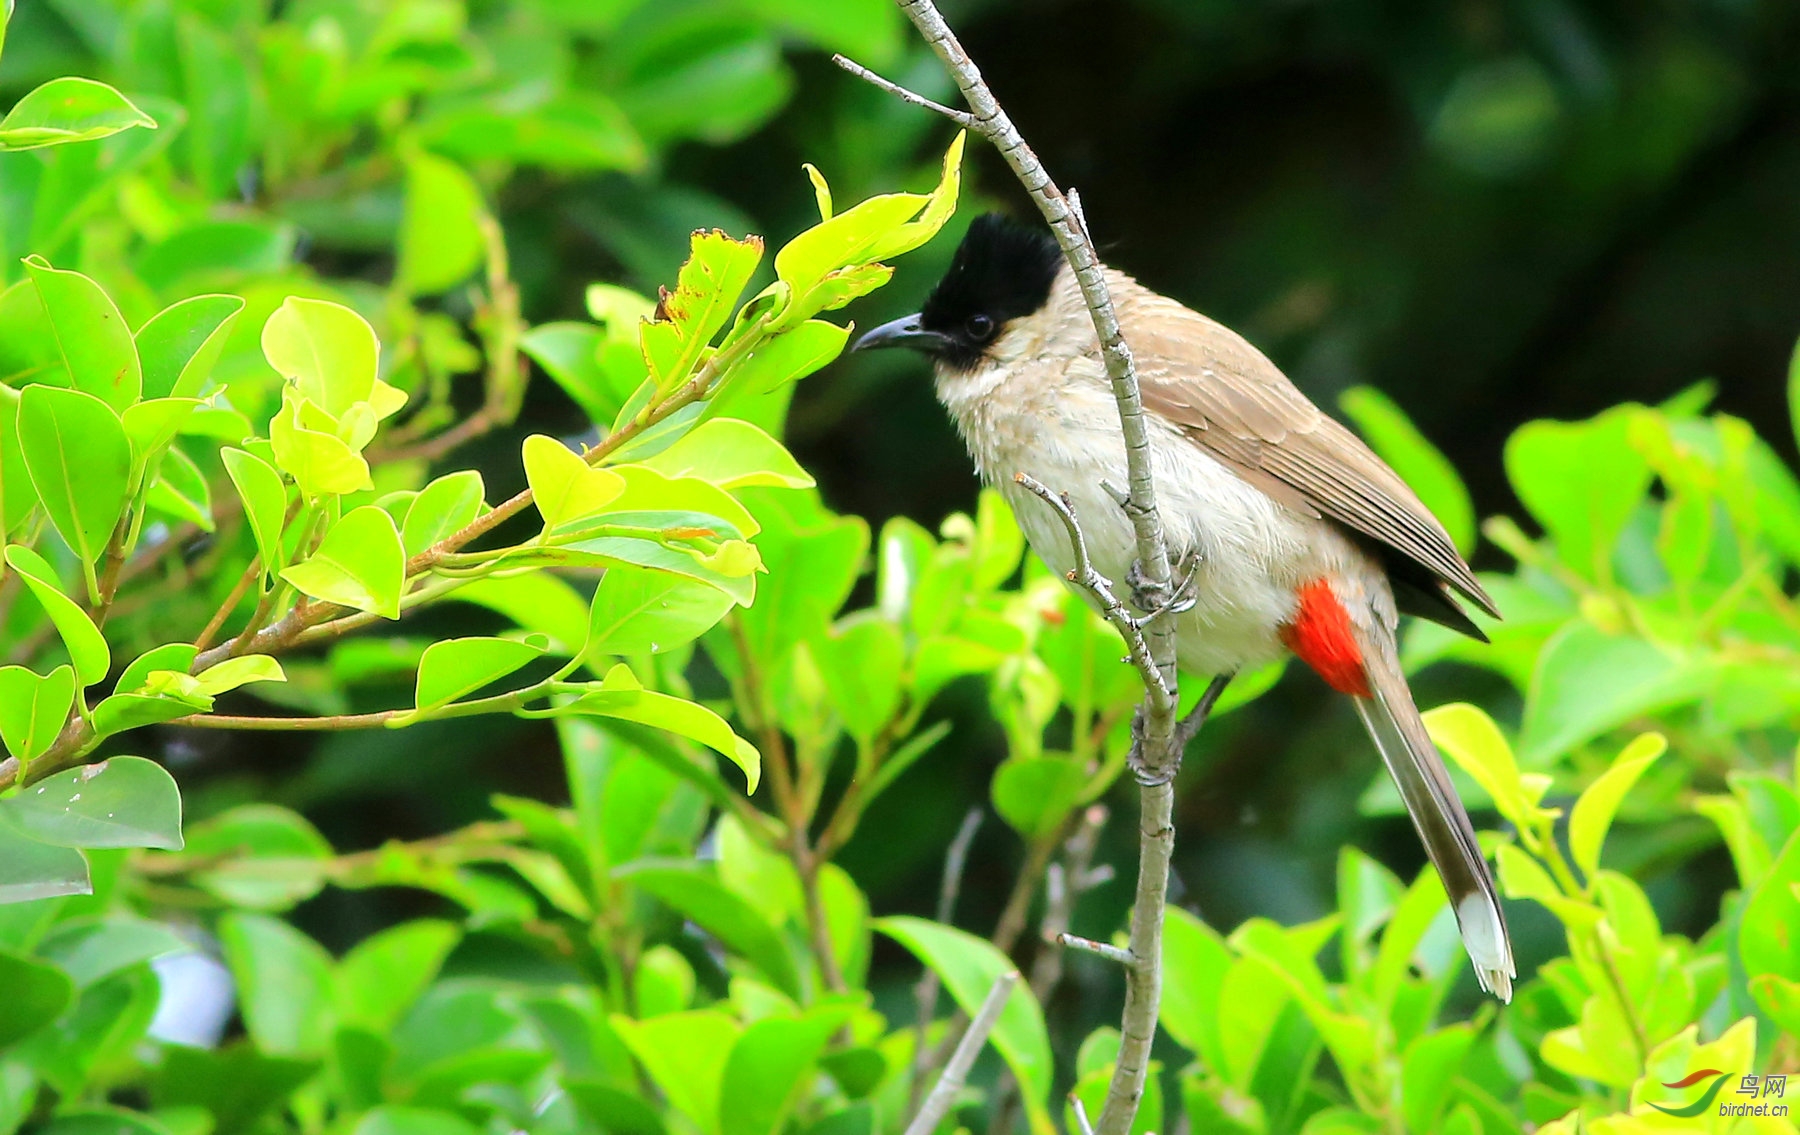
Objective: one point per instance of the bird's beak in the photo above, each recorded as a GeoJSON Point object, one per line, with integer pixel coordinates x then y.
{"type": "Point", "coordinates": [903, 332]}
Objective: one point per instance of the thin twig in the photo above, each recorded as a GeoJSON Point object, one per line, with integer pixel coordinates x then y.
{"type": "Point", "coordinates": [1082, 1123]}
{"type": "Point", "coordinates": [943, 1093]}
{"type": "Point", "coordinates": [1156, 755]}
{"type": "Point", "coordinates": [961, 117]}
{"type": "Point", "coordinates": [1099, 949]}
{"type": "Point", "coordinates": [1084, 576]}
{"type": "Point", "coordinates": [925, 994]}
{"type": "Point", "coordinates": [1066, 882]}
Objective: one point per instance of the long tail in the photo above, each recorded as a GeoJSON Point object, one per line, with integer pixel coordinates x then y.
{"type": "Point", "coordinates": [1444, 828]}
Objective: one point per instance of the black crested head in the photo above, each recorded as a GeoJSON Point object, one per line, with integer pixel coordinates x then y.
{"type": "Point", "coordinates": [1002, 271]}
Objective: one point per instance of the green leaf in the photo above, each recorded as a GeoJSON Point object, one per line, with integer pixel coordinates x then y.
{"type": "Point", "coordinates": [1390, 433]}
{"type": "Point", "coordinates": [392, 1120]}
{"type": "Point", "coordinates": [174, 656]}
{"type": "Point", "coordinates": [969, 966]}
{"type": "Point", "coordinates": [1581, 481]}
{"type": "Point", "coordinates": [862, 663]}
{"type": "Point", "coordinates": [563, 486]}
{"type": "Point", "coordinates": [84, 642]}
{"type": "Point", "coordinates": [268, 857]}
{"type": "Point", "coordinates": [1594, 811]}
{"type": "Point", "coordinates": [328, 351]}
{"type": "Point", "coordinates": [234, 1087]}
{"type": "Point", "coordinates": [788, 357]}
{"type": "Point", "coordinates": [772, 1065]}
{"type": "Point", "coordinates": [80, 462]}
{"type": "Point", "coordinates": [875, 229]}
{"type": "Point", "coordinates": [446, 506]}
{"type": "Point", "coordinates": [570, 354]}
{"type": "Point", "coordinates": [732, 455]}
{"type": "Point", "coordinates": [1766, 939]}
{"type": "Point", "coordinates": [319, 461]}
{"type": "Point", "coordinates": [90, 333]}
{"type": "Point", "coordinates": [696, 892]}
{"type": "Point", "coordinates": [455, 667]}
{"type": "Point", "coordinates": [90, 951]}
{"type": "Point", "coordinates": [1587, 682]}
{"type": "Point", "coordinates": [33, 709]}
{"type": "Point", "coordinates": [36, 994]}
{"type": "Point", "coordinates": [150, 426]}
{"type": "Point", "coordinates": [1034, 795]}
{"type": "Point", "coordinates": [648, 491]}
{"type": "Point", "coordinates": [181, 491]}
{"type": "Point", "coordinates": [1195, 960]}
{"type": "Point", "coordinates": [1428, 1071]}
{"type": "Point", "coordinates": [619, 695]}
{"type": "Point", "coordinates": [1793, 389]}
{"type": "Point", "coordinates": [1469, 737]}
{"type": "Point", "coordinates": [441, 242]}
{"type": "Point", "coordinates": [359, 564]}
{"type": "Point", "coordinates": [283, 981]}
{"type": "Point", "coordinates": [235, 672]}
{"type": "Point", "coordinates": [539, 602]}
{"type": "Point", "coordinates": [18, 497]}
{"type": "Point", "coordinates": [637, 611]}
{"type": "Point", "coordinates": [120, 802]}
{"type": "Point", "coordinates": [381, 978]}
{"type": "Point", "coordinates": [68, 110]}
{"type": "Point", "coordinates": [30, 870]}
{"type": "Point", "coordinates": [265, 503]}
{"type": "Point", "coordinates": [180, 345]}
{"type": "Point", "coordinates": [686, 1055]}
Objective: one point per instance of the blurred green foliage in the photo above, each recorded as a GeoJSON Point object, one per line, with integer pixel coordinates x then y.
{"type": "Point", "coordinates": [271, 322]}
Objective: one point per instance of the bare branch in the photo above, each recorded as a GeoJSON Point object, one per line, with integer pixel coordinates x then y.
{"type": "Point", "coordinates": [1157, 753]}
{"type": "Point", "coordinates": [1098, 949]}
{"type": "Point", "coordinates": [925, 994]}
{"type": "Point", "coordinates": [1083, 1124]}
{"type": "Point", "coordinates": [1085, 577]}
{"type": "Point", "coordinates": [943, 1094]}
{"type": "Point", "coordinates": [961, 117]}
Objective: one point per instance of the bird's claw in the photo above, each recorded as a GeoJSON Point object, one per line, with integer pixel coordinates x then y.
{"type": "Point", "coordinates": [1157, 599]}
{"type": "Point", "coordinates": [1140, 769]}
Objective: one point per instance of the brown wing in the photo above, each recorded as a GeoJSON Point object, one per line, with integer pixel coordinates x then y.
{"type": "Point", "coordinates": [1233, 401]}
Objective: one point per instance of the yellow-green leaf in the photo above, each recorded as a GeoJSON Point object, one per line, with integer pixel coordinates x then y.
{"type": "Point", "coordinates": [359, 564]}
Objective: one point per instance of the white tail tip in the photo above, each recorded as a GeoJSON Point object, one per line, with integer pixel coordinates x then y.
{"type": "Point", "coordinates": [1484, 937]}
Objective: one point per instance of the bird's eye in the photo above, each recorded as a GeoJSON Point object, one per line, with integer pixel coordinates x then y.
{"type": "Point", "coordinates": [980, 326]}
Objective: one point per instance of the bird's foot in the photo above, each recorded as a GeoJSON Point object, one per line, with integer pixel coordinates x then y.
{"type": "Point", "coordinates": [1188, 727]}
{"type": "Point", "coordinates": [1185, 730]}
{"type": "Point", "coordinates": [1140, 768]}
{"type": "Point", "coordinates": [1157, 599]}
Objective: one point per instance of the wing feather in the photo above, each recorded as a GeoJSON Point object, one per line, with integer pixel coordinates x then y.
{"type": "Point", "coordinates": [1231, 400]}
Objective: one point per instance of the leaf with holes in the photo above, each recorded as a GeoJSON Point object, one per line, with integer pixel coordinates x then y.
{"type": "Point", "coordinates": [120, 802]}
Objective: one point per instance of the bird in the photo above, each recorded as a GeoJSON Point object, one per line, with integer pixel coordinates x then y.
{"type": "Point", "coordinates": [1293, 536]}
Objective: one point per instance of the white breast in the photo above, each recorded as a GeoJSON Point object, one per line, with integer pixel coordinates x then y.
{"type": "Point", "coordinates": [1063, 429]}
